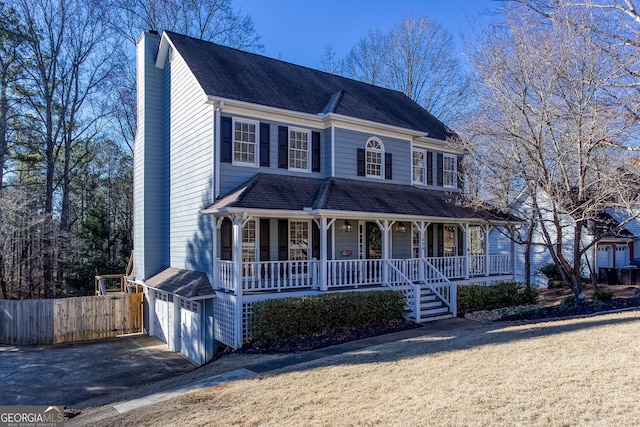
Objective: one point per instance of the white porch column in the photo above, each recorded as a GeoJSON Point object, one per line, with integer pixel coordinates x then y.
{"type": "Point", "coordinates": [487, 262]}
{"type": "Point", "coordinates": [422, 230]}
{"type": "Point", "coordinates": [323, 225]}
{"type": "Point", "coordinates": [215, 274]}
{"type": "Point", "coordinates": [385, 228]}
{"type": "Point", "coordinates": [465, 248]}
{"type": "Point", "coordinates": [237, 222]}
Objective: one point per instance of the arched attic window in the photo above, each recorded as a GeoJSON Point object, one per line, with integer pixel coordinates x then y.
{"type": "Point", "coordinates": [374, 155]}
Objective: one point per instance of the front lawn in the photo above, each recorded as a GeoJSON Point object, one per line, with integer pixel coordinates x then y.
{"type": "Point", "coordinates": [571, 373]}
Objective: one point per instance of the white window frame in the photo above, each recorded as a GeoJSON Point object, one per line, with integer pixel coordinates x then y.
{"type": "Point", "coordinates": [423, 151]}
{"type": "Point", "coordinates": [452, 173]}
{"type": "Point", "coordinates": [250, 227]}
{"type": "Point", "coordinates": [309, 245]}
{"type": "Point", "coordinates": [373, 150]}
{"type": "Point", "coordinates": [256, 143]}
{"type": "Point", "coordinates": [308, 150]}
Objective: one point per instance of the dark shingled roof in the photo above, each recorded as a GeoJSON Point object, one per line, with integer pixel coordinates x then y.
{"type": "Point", "coordinates": [607, 226]}
{"type": "Point", "coordinates": [184, 283]}
{"type": "Point", "coordinates": [243, 76]}
{"type": "Point", "coordinates": [283, 192]}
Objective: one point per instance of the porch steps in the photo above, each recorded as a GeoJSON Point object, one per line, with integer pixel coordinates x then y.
{"type": "Point", "coordinates": [431, 307]}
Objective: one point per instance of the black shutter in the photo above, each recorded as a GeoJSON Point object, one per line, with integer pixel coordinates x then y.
{"type": "Point", "coordinates": [360, 161]}
{"type": "Point", "coordinates": [440, 170]}
{"type": "Point", "coordinates": [460, 173]}
{"type": "Point", "coordinates": [283, 147]}
{"type": "Point", "coordinates": [430, 240]}
{"type": "Point", "coordinates": [226, 134]}
{"type": "Point", "coordinates": [388, 168]}
{"type": "Point", "coordinates": [429, 168]}
{"type": "Point", "coordinates": [315, 240]}
{"type": "Point", "coordinates": [440, 240]}
{"type": "Point", "coordinates": [283, 240]}
{"type": "Point", "coordinates": [315, 151]}
{"type": "Point", "coordinates": [460, 242]}
{"type": "Point", "coordinates": [226, 244]}
{"type": "Point", "coordinates": [264, 144]}
{"type": "Point", "coordinates": [265, 253]}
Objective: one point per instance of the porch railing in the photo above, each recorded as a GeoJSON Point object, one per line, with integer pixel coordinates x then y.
{"type": "Point", "coordinates": [450, 267]}
{"type": "Point", "coordinates": [500, 264]}
{"type": "Point", "coordinates": [440, 285]}
{"type": "Point", "coordinates": [354, 273]}
{"type": "Point", "coordinates": [477, 265]}
{"type": "Point", "coordinates": [225, 276]}
{"type": "Point", "coordinates": [279, 275]}
{"type": "Point", "coordinates": [398, 281]}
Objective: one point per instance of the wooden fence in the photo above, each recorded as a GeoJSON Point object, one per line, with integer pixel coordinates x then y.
{"type": "Point", "coordinates": [55, 321]}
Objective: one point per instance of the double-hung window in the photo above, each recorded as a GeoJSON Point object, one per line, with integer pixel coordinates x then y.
{"type": "Point", "coordinates": [298, 240]}
{"type": "Point", "coordinates": [245, 147]}
{"type": "Point", "coordinates": [299, 148]}
{"type": "Point", "coordinates": [374, 153]}
{"type": "Point", "coordinates": [449, 170]}
{"type": "Point", "coordinates": [419, 166]}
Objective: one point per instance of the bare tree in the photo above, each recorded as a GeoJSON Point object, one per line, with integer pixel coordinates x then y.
{"type": "Point", "coordinates": [329, 60]}
{"type": "Point", "coordinates": [547, 121]}
{"type": "Point", "coordinates": [366, 60]}
{"type": "Point", "coordinates": [417, 57]}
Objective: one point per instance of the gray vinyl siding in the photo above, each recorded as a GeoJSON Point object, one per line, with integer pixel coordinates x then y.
{"type": "Point", "coordinates": [346, 241]}
{"type": "Point", "coordinates": [189, 127]}
{"type": "Point", "coordinates": [401, 243]}
{"type": "Point", "coordinates": [149, 244]}
{"type": "Point", "coordinates": [499, 242]}
{"type": "Point", "coordinates": [232, 176]}
{"type": "Point", "coordinates": [326, 152]}
{"type": "Point", "coordinates": [346, 147]}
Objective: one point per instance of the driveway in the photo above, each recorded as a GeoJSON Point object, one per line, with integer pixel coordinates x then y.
{"type": "Point", "coordinates": [67, 374]}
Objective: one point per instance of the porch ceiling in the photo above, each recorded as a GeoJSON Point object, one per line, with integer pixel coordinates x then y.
{"type": "Point", "coordinates": [335, 196]}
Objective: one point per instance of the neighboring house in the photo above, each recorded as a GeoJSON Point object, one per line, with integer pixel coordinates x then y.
{"type": "Point", "coordinates": [612, 245]}
{"type": "Point", "coordinates": [270, 179]}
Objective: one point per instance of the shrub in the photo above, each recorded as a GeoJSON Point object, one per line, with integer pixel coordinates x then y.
{"type": "Point", "coordinates": [551, 271]}
{"type": "Point", "coordinates": [506, 294]}
{"type": "Point", "coordinates": [276, 321]}
{"type": "Point", "coordinates": [602, 294]}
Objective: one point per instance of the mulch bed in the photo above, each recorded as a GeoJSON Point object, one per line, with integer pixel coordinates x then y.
{"type": "Point", "coordinates": [329, 338]}
{"type": "Point", "coordinates": [563, 310]}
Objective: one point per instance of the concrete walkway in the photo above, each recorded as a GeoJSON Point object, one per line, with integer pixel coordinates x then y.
{"type": "Point", "coordinates": [249, 371]}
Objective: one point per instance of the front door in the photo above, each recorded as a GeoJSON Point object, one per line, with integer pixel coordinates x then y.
{"type": "Point", "coordinates": [373, 241]}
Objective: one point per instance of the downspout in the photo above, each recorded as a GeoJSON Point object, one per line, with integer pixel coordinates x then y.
{"type": "Point", "coordinates": [219, 105]}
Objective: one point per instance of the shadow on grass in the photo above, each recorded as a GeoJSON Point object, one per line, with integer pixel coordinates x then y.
{"type": "Point", "coordinates": [445, 336]}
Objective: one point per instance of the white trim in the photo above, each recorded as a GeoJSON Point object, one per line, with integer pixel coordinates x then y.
{"type": "Point", "coordinates": [425, 166]}
{"type": "Point", "coordinates": [256, 150]}
{"type": "Point", "coordinates": [308, 133]}
{"type": "Point", "coordinates": [309, 237]}
{"type": "Point", "coordinates": [455, 170]}
{"type": "Point", "coordinates": [381, 151]}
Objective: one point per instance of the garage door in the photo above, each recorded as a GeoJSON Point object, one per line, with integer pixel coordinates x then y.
{"type": "Point", "coordinates": [161, 315]}
{"type": "Point", "coordinates": [622, 256]}
{"type": "Point", "coordinates": [190, 330]}
{"type": "Point", "coordinates": [605, 257]}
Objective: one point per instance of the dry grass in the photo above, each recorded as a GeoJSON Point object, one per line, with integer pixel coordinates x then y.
{"type": "Point", "coordinates": [564, 373]}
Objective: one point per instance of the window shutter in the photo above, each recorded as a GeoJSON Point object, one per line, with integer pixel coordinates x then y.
{"type": "Point", "coordinates": [315, 151]}
{"type": "Point", "coordinates": [315, 240]}
{"type": "Point", "coordinates": [429, 168]}
{"type": "Point", "coordinates": [440, 230]}
{"type": "Point", "coordinates": [226, 135]}
{"type": "Point", "coordinates": [226, 245]}
{"type": "Point", "coordinates": [360, 161]}
{"type": "Point", "coordinates": [283, 147]}
{"type": "Point", "coordinates": [265, 254]}
{"type": "Point", "coordinates": [283, 240]}
{"type": "Point", "coordinates": [264, 144]}
{"type": "Point", "coordinates": [388, 171]}
{"type": "Point", "coordinates": [440, 170]}
{"type": "Point", "coordinates": [460, 242]}
{"type": "Point", "coordinates": [460, 173]}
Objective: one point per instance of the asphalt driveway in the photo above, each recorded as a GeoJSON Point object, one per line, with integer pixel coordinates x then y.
{"type": "Point", "coordinates": [68, 374]}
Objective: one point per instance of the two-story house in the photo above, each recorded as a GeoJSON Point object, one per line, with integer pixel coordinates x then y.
{"type": "Point", "coordinates": [256, 178]}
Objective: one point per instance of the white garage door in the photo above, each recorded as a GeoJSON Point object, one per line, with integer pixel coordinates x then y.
{"type": "Point", "coordinates": [605, 257]}
{"type": "Point", "coordinates": [161, 315]}
{"type": "Point", "coordinates": [622, 256]}
{"type": "Point", "coordinates": [190, 330]}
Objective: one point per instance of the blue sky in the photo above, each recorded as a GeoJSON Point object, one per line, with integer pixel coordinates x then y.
{"type": "Point", "coordinates": [299, 30]}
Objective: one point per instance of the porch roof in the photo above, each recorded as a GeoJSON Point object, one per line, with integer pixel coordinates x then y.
{"type": "Point", "coordinates": [302, 195]}
{"type": "Point", "coordinates": [184, 283]}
